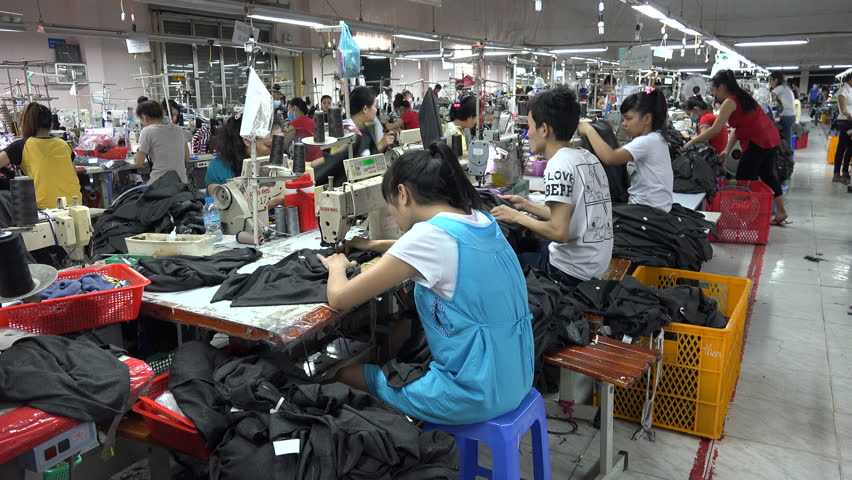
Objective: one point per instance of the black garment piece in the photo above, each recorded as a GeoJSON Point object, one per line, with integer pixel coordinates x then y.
{"type": "Point", "coordinates": [341, 432]}
{"type": "Point", "coordinates": [674, 139]}
{"type": "Point", "coordinates": [615, 174]}
{"type": "Point", "coordinates": [784, 162]}
{"type": "Point", "coordinates": [413, 360]}
{"type": "Point", "coordinates": [628, 307]}
{"type": "Point", "coordinates": [556, 321]}
{"type": "Point", "coordinates": [184, 272]}
{"type": "Point", "coordinates": [695, 307]}
{"type": "Point", "coordinates": [695, 170]}
{"type": "Point", "coordinates": [166, 204]}
{"type": "Point", "coordinates": [761, 163]}
{"type": "Point", "coordinates": [299, 278]}
{"type": "Point", "coordinates": [332, 166]}
{"type": "Point", "coordinates": [515, 234]}
{"type": "Point", "coordinates": [73, 378]}
{"type": "Point", "coordinates": [651, 237]}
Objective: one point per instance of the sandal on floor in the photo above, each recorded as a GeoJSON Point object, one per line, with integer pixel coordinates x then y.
{"type": "Point", "coordinates": [780, 223]}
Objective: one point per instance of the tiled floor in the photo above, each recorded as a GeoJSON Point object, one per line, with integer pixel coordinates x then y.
{"type": "Point", "coordinates": [792, 413]}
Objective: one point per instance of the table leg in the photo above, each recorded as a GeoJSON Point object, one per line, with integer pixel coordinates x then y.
{"type": "Point", "coordinates": [104, 188]}
{"type": "Point", "coordinates": [608, 468]}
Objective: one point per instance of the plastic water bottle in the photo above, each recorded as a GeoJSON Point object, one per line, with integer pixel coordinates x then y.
{"type": "Point", "coordinates": [212, 224]}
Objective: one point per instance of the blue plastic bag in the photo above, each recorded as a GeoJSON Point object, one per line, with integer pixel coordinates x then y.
{"type": "Point", "coordinates": [348, 54]}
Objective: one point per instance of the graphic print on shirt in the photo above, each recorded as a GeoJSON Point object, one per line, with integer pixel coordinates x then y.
{"type": "Point", "coordinates": [564, 188]}
{"type": "Point", "coordinates": [598, 202]}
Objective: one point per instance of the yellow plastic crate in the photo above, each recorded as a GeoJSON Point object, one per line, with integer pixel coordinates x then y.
{"type": "Point", "coordinates": [700, 365]}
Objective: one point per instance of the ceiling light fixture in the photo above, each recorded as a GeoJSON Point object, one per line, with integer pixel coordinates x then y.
{"type": "Point", "coordinates": [415, 37]}
{"type": "Point", "coordinates": [291, 21]}
{"type": "Point", "coordinates": [418, 56]}
{"type": "Point", "coordinates": [692, 70]}
{"type": "Point", "coordinates": [580, 50]}
{"type": "Point", "coordinates": [786, 67]}
{"type": "Point", "coordinates": [825, 66]}
{"type": "Point", "coordinates": [537, 5]}
{"type": "Point", "coordinates": [843, 66]}
{"type": "Point", "coordinates": [773, 43]}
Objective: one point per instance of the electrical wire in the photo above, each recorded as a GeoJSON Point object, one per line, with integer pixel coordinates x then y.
{"type": "Point", "coordinates": [52, 229]}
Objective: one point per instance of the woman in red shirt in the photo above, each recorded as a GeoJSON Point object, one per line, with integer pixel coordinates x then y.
{"type": "Point", "coordinates": [301, 126]}
{"type": "Point", "coordinates": [407, 117]}
{"type": "Point", "coordinates": [701, 113]}
{"type": "Point", "coordinates": [755, 131]}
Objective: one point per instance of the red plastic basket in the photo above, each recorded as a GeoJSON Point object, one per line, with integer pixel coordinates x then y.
{"type": "Point", "coordinates": [168, 427]}
{"type": "Point", "coordinates": [80, 312]}
{"type": "Point", "coordinates": [115, 153]}
{"type": "Point", "coordinates": [746, 208]}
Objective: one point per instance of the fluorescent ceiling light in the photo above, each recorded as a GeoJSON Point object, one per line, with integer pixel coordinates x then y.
{"type": "Point", "coordinates": [689, 31]}
{"type": "Point", "coordinates": [291, 21]}
{"type": "Point", "coordinates": [11, 30]}
{"type": "Point", "coordinates": [424, 55]}
{"type": "Point", "coordinates": [825, 66]}
{"type": "Point", "coordinates": [692, 70]}
{"type": "Point", "coordinates": [649, 11]}
{"type": "Point", "coordinates": [415, 37]}
{"type": "Point", "coordinates": [498, 53]}
{"type": "Point", "coordinates": [375, 57]}
{"type": "Point", "coordinates": [843, 66]}
{"type": "Point", "coordinates": [773, 43]}
{"type": "Point", "coordinates": [787, 67]}
{"type": "Point", "coordinates": [580, 50]}
{"type": "Point", "coordinates": [690, 46]}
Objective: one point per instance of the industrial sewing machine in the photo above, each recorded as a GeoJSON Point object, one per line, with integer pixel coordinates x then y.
{"type": "Point", "coordinates": [240, 196]}
{"type": "Point", "coordinates": [409, 140]}
{"type": "Point", "coordinates": [67, 227]}
{"type": "Point", "coordinates": [340, 207]}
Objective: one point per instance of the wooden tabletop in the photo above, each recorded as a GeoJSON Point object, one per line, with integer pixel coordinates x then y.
{"type": "Point", "coordinates": [606, 360]}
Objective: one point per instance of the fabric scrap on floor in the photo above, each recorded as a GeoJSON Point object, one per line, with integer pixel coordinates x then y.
{"type": "Point", "coordinates": [185, 272]}
{"type": "Point", "coordinates": [249, 407]}
{"type": "Point", "coordinates": [73, 378]}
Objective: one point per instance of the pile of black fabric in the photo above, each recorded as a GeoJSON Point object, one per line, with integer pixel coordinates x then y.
{"type": "Point", "coordinates": [248, 407]}
{"type": "Point", "coordinates": [515, 234]}
{"type": "Point", "coordinates": [651, 237]}
{"type": "Point", "coordinates": [73, 378]}
{"type": "Point", "coordinates": [695, 170]}
{"type": "Point", "coordinates": [628, 307]}
{"type": "Point", "coordinates": [297, 279]}
{"type": "Point", "coordinates": [166, 204]}
{"type": "Point", "coordinates": [674, 139]}
{"type": "Point", "coordinates": [615, 174]}
{"type": "Point", "coordinates": [556, 321]}
{"type": "Point", "coordinates": [695, 307]}
{"type": "Point", "coordinates": [185, 272]}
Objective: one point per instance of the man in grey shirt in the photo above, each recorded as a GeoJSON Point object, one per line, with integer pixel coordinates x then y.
{"type": "Point", "coordinates": [163, 143]}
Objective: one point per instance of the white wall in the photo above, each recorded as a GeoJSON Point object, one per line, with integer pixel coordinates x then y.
{"type": "Point", "coordinates": [107, 60]}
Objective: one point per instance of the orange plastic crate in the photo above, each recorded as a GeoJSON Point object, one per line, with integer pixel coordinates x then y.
{"type": "Point", "coordinates": [81, 312]}
{"type": "Point", "coordinates": [701, 365]}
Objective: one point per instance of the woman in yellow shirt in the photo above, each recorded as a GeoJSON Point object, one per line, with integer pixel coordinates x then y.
{"type": "Point", "coordinates": [462, 116]}
{"type": "Point", "coordinates": [47, 160]}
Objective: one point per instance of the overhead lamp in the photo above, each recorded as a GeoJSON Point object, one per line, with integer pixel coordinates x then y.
{"type": "Point", "coordinates": [787, 67]}
{"type": "Point", "coordinates": [418, 56]}
{"type": "Point", "coordinates": [649, 11]}
{"type": "Point", "coordinates": [772, 43]}
{"type": "Point", "coordinates": [826, 66]}
{"type": "Point", "coordinates": [7, 29]}
{"type": "Point", "coordinates": [691, 69]}
{"type": "Point", "coordinates": [689, 46]}
{"type": "Point", "coordinates": [580, 50]}
{"type": "Point", "coordinates": [843, 66]}
{"type": "Point", "coordinates": [415, 37]}
{"type": "Point", "coordinates": [291, 21]}
{"type": "Point", "coordinates": [375, 57]}
{"type": "Point", "coordinates": [497, 53]}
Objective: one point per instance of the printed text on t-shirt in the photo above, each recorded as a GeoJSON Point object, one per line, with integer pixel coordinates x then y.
{"type": "Point", "coordinates": [564, 188]}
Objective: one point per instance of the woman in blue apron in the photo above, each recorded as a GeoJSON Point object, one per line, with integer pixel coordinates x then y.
{"type": "Point", "coordinates": [470, 292]}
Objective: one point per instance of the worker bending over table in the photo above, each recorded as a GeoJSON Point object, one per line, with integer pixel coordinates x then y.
{"type": "Point", "coordinates": [577, 215]}
{"type": "Point", "coordinates": [481, 339]}
{"type": "Point", "coordinates": [162, 143]}
{"type": "Point", "coordinates": [48, 160]}
{"type": "Point", "coordinates": [647, 155]}
{"type": "Point", "coordinates": [700, 112]}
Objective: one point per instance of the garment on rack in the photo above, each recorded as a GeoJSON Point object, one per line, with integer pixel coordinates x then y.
{"type": "Point", "coordinates": [695, 170]}
{"type": "Point", "coordinates": [241, 405]}
{"type": "Point", "coordinates": [299, 278]}
{"type": "Point", "coordinates": [165, 204]}
{"type": "Point", "coordinates": [628, 306]}
{"type": "Point", "coordinates": [73, 378]}
{"type": "Point", "coordinates": [696, 308]}
{"type": "Point", "coordinates": [184, 272]}
{"type": "Point", "coordinates": [648, 236]}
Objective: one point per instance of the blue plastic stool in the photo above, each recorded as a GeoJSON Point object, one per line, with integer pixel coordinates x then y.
{"type": "Point", "coordinates": [503, 436]}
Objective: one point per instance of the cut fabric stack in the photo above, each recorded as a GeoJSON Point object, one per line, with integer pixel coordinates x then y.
{"type": "Point", "coordinates": [696, 170]}
{"type": "Point", "coordinates": [651, 237]}
{"type": "Point", "coordinates": [265, 420]}
{"type": "Point", "coordinates": [166, 204]}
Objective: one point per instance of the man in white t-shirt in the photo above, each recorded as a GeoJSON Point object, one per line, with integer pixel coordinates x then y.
{"type": "Point", "coordinates": [577, 216]}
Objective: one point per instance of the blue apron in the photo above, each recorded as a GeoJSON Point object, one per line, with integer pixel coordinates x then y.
{"type": "Point", "coordinates": [481, 340]}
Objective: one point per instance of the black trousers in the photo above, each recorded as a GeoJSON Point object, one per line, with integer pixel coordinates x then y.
{"type": "Point", "coordinates": [759, 163]}
{"type": "Point", "coordinates": [844, 147]}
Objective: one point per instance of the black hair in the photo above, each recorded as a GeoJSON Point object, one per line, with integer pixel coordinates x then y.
{"type": "Point", "coordinates": [35, 117]}
{"type": "Point", "coordinates": [149, 108]}
{"type": "Point", "coordinates": [401, 102]}
{"type": "Point", "coordinates": [322, 99]}
{"type": "Point", "coordinates": [229, 145]}
{"type": "Point", "coordinates": [300, 104]}
{"type": "Point", "coordinates": [432, 176]}
{"type": "Point", "coordinates": [361, 98]}
{"type": "Point", "coordinates": [141, 99]}
{"type": "Point", "coordinates": [464, 110]}
{"type": "Point", "coordinates": [559, 109]}
{"type": "Point", "coordinates": [437, 87]}
{"type": "Point", "coordinates": [778, 77]}
{"type": "Point", "coordinates": [729, 80]}
{"type": "Point", "coordinates": [653, 103]}
{"type": "Point", "coordinates": [696, 102]}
